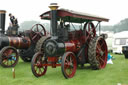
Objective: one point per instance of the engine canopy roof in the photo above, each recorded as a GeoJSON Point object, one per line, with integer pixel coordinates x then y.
{"type": "Point", "coordinates": [73, 16]}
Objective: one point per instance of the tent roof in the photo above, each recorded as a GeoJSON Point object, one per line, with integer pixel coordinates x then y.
{"type": "Point", "coordinates": [123, 34]}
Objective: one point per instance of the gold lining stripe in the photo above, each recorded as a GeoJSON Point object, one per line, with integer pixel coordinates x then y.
{"type": "Point", "coordinates": [19, 42]}
{"type": "Point", "coordinates": [53, 7]}
{"type": "Point", "coordinates": [29, 42]}
{"type": "Point", "coordinates": [2, 11]}
{"type": "Point", "coordinates": [9, 41]}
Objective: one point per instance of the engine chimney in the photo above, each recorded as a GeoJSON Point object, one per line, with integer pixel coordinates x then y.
{"type": "Point", "coordinates": [53, 7]}
{"type": "Point", "coordinates": [2, 21]}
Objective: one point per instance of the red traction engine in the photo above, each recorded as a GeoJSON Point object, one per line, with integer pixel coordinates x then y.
{"type": "Point", "coordinates": [68, 48]}
{"type": "Point", "coordinates": [21, 44]}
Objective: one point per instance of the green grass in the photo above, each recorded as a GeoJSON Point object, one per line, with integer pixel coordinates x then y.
{"type": "Point", "coordinates": [111, 75]}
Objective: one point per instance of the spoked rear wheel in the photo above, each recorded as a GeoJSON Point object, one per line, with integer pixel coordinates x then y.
{"type": "Point", "coordinates": [37, 64]}
{"type": "Point", "coordinates": [69, 65]}
{"type": "Point", "coordinates": [8, 57]}
{"type": "Point", "coordinates": [97, 53]}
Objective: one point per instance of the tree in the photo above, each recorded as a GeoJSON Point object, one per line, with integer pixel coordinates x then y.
{"type": "Point", "coordinates": [121, 26]}
{"type": "Point", "coordinates": [27, 25]}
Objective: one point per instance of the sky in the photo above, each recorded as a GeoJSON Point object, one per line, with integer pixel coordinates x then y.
{"type": "Point", "coordinates": [26, 10]}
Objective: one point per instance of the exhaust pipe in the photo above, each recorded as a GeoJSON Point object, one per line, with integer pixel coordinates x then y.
{"type": "Point", "coordinates": [2, 21]}
{"type": "Point", "coordinates": [53, 7]}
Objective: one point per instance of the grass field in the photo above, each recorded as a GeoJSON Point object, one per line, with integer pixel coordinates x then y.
{"type": "Point", "coordinates": [111, 75]}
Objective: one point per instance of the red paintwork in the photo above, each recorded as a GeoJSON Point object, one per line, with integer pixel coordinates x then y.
{"type": "Point", "coordinates": [37, 67]}
{"type": "Point", "coordinates": [70, 64]}
{"type": "Point", "coordinates": [53, 61]}
{"type": "Point", "coordinates": [101, 46]}
{"type": "Point", "coordinates": [72, 46]}
{"type": "Point", "coordinates": [73, 14]}
{"type": "Point", "coordinates": [51, 65]}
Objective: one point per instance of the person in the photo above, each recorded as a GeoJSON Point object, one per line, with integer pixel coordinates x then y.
{"type": "Point", "coordinates": [13, 26]}
{"type": "Point", "coordinates": [13, 20]}
{"type": "Point", "coordinates": [109, 59]}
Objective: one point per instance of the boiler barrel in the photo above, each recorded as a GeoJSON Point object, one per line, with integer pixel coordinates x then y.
{"type": "Point", "coordinates": [2, 21]}
{"type": "Point", "coordinates": [55, 48]}
{"type": "Point", "coordinates": [17, 42]}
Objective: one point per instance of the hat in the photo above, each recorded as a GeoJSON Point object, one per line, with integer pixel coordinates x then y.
{"type": "Point", "coordinates": [10, 14]}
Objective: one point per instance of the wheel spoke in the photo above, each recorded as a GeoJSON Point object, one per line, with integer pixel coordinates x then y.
{"type": "Point", "coordinates": [4, 61]}
{"type": "Point", "coordinates": [40, 34]}
{"type": "Point", "coordinates": [70, 59]}
{"type": "Point", "coordinates": [66, 66]}
{"type": "Point", "coordinates": [7, 62]}
{"type": "Point", "coordinates": [102, 44]}
{"type": "Point", "coordinates": [42, 30]}
{"type": "Point", "coordinates": [98, 47]}
{"type": "Point", "coordinates": [89, 27]}
{"type": "Point", "coordinates": [40, 71]}
{"type": "Point", "coordinates": [37, 29]}
{"type": "Point", "coordinates": [11, 62]}
{"type": "Point", "coordinates": [66, 60]}
{"type": "Point", "coordinates": [34, 37]}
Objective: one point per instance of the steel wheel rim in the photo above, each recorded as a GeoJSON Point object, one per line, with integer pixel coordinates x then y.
{"type": "Point", "coordinates": [101, 53]}
{"type": "Point", "coordinates": [39, 69]}
{"type": "Point", "coordinates": [9, 57]}
{"type": "Point", "coordinates": [70, 65]}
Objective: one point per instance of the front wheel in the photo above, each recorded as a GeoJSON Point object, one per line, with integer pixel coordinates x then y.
{"type": "Point", "coordinates": [38, 64]}
{"type": "Point", "coordinates": [9, 57]}
{"type": "Point", "coordinates": [69, 65]}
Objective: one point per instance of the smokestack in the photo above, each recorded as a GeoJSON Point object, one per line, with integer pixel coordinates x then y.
{"type": "Point", "coordinates": [2, 21]}
{"type": "Point", "coordinates": [53, 7]}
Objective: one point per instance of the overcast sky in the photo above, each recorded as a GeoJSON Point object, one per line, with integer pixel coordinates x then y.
{"type": "Point", "coordinates": [115, 10]}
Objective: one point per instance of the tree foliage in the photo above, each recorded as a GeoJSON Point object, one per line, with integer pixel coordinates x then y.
{"type": "Point", "coordinates": [121, 26]}
{"type": "Point", "coordinates": [27, 25]}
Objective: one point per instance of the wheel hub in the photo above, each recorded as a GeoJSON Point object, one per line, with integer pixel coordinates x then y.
{"type": "Point", "coordinates": [39, 64]}
{"type": "Point", "coordinates": [101, 53]}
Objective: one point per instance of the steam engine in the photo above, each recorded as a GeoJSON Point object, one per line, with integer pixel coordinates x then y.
{"type": "Point", "coordinates": [17, 41]}
{"type": "Point", "coordinates": [67, 48]}
{"type": "Point", "coordinates": [25, 42]}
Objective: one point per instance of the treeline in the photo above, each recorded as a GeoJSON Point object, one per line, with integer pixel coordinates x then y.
{"type": "Point", "coordinates": [27, 25]}
{"type": "Point", "coordinates": [121, 26]}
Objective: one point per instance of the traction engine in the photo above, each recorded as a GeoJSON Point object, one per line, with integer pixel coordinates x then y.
{"type": "Point", "coordinates": [25, 42]}
{"type": "Point", "coordinates": [67, 48]}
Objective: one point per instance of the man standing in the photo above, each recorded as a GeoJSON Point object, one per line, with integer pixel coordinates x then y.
{"type": "Point", "coordinates": [13, 28]}
{"type": "Point", "coordinates": [13, 20]}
